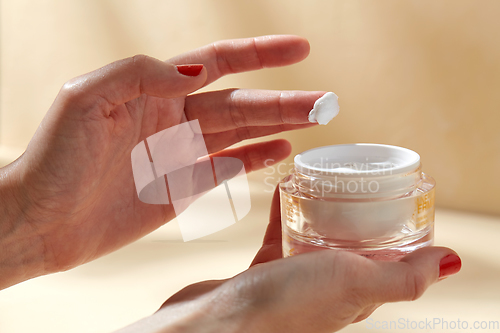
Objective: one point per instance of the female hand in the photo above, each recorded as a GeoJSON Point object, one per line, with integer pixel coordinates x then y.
{"type": "Point", "coordinates": [321, 291]}
{"type": "Point", "coordinates": [70, 197]}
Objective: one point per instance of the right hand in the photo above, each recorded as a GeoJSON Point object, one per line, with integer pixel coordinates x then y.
{"type": "Point", "coordinates": [71, 197]}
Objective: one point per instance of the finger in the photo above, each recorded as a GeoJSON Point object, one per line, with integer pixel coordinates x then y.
{"type": "Point", "coordinates": [271, 248]}
{"type": "Point", "coordinates": [273, 232]}
{"type": "Point", "coordinates": [241, 55]}
{"type": "Point", "coordinates": [408, 279]}
{"type": "Point", "coordinates": [126, 80]}
{"type": "Point", "coordinates": [219, 141]}
{"type": "Point", "coordinates": [245, 107]}
{"type": "Point", "coordinates": [258, 155]}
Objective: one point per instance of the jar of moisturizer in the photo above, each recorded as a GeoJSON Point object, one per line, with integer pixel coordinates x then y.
{"type": "Point", "coordinates": [370, 199]}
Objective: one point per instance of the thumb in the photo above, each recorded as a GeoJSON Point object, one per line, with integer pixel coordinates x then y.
{"type": "Point", "coordinates": [127, 79]}
{"type": "Point", "coordinates": [408, 279]}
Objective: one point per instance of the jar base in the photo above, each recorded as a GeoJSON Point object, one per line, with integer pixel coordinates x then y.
{"type": "Point", "coordinates": [293, 246]}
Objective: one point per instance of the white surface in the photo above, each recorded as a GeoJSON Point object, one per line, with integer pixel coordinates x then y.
{"type": "Point", "coordinates": [133, 282]}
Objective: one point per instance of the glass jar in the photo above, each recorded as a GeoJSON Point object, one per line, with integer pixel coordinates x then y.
{"type": "Point", "coordinates": [370, 199]}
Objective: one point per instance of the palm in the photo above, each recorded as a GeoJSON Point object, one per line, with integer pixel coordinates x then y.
{"type": "Point", "coordinates": [78, 166]}
{"type": "Point", "coordinates": [127, 218]}
{"type": "Point", "coordinates": [119, 203]}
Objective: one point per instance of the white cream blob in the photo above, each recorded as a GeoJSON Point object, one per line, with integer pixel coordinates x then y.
{"type": "Point", "coordinates": [325, 109]}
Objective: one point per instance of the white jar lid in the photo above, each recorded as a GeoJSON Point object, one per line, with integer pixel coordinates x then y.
{"type": "Point", "coordinates": [392, 168]}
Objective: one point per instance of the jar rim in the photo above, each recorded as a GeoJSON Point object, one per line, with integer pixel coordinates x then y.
{"type": "Point", "coordinates": [358, 159]}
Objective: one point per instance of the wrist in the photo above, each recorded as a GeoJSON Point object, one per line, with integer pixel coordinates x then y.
{"type": "Point", "coordinates": [21, 254]}
{"type": "Point", "coordinates": [226, 309]}
{"type": "Point", "coordinates": [211, 312]}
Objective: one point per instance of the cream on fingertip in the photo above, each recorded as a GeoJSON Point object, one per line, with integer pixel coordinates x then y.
{"type": "Point", "coordinates": [325, 109]}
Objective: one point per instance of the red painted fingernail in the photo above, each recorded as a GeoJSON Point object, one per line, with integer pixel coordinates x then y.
{"type": "Point", "coordinates": [190, 70]}
{"type": "Point", "coordinates": [449, 265]}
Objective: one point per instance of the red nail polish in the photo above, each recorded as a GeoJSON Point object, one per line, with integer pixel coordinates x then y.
{"type": "Point", "coordinates": [449, 265]}
{"type": "Point", "coordinates": [190, 70]}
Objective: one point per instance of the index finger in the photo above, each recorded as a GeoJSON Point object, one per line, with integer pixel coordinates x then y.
{"type": "Point", "coordinates": [241, 55]}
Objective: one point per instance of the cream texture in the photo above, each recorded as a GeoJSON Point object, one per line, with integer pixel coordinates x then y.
{"type": "Point", "coordinates": [325, 109]}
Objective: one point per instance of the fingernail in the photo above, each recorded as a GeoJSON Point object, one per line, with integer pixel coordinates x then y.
{"type": "Point", "coordinates": [190, 70]}
{"type": "Point", "coordinates": [449, 265]}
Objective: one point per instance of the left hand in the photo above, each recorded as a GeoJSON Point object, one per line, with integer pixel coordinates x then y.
{"type": "Point", "coordinates": [321, 291]}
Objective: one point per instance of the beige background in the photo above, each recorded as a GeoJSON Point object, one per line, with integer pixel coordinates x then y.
{"type": "Point", "coordinates": [420, 74]}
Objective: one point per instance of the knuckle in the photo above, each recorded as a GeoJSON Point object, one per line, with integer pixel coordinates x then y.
{"type": "Point", "coordinates": [139, 59]}
{"type": "Point", "coordinates": [252, 159]}
{"type": "Point", "coordinates": [235, 109]}
{"type": "Point", "coordinates": [139, 62]}
{"type": "Point", "coordinates": [281, 109]}
{"type": "Point", "coordinates": [73, 89]}
{"type": "Point", "coordinates": [415, 285]}
{"type": "Point", "coordinates": [223, 64]}
{"type": "Point", "coordinates": [243, 133]}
